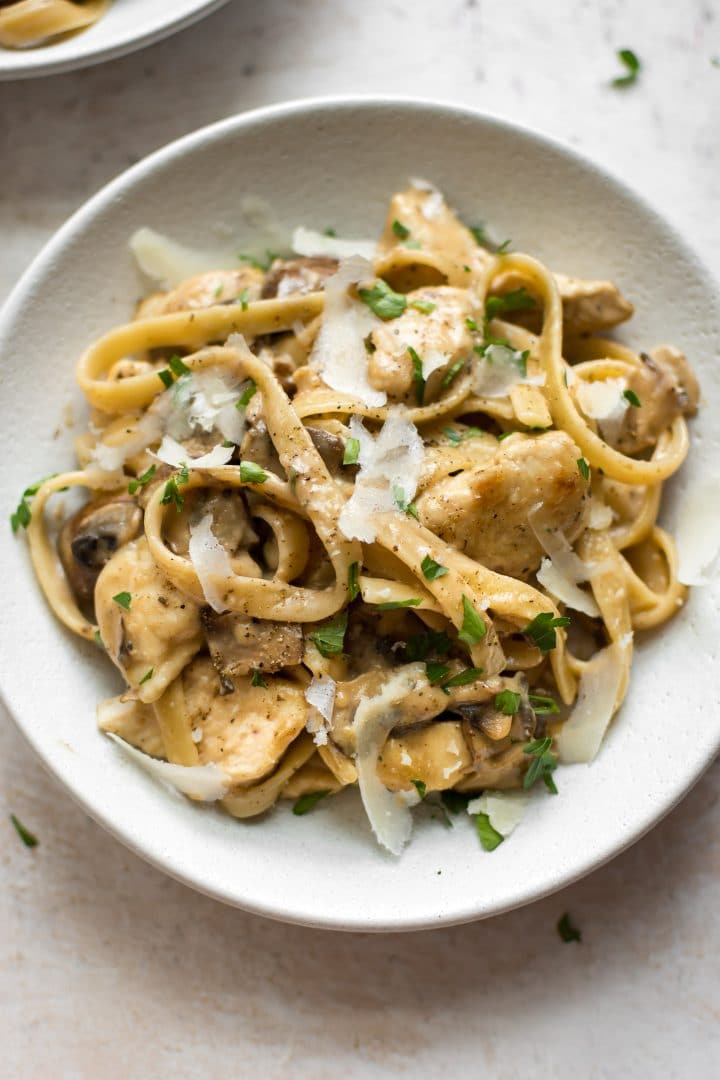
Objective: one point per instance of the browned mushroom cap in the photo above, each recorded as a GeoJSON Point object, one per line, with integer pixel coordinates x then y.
{"type": "Point", "coordinates": [289, 277]}
{"type": "Point", "coordinates": [238, 645]}
{"type": "Point", "coordinates": [89, 538]}
{"type": "Point", "coordinates": [257, 446]}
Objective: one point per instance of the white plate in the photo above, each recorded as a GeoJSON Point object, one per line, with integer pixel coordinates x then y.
{"type": "Point", "coordinates": [335, 163]}
{"type": "Point", "coordinates": [127, 25]}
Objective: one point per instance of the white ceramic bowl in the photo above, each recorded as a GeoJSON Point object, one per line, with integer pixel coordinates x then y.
{"type": "Point", "coordinates": [126, 26]}
{"type": "Point", "coordinates": [335, 163]}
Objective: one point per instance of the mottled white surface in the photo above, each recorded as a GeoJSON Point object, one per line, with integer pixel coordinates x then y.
{"type": "Point", "coordinates": [108, 969]}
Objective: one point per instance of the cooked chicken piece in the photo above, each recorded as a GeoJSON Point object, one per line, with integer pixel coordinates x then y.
{"type": "Point", "coordinates": [437, 754]}
{"type": "Point", "coordinates": [239, 645]}
{"type": "Point", "coordinates": [666, 388]}
{"type": "Point", "coordinates": [91, 536]}
{"type": "Point", "coordinates": [295, 277]}
{"type": "Point", "coordinates": [134, 722]}
{"type": "Point", "coordinates": [588, 306]}
{"type": "Point", "coordinates": [246, 731]}
{"type": "Point", "coordinates": [439, 337]}
{"type": "Point", "coordinates": [203, 291]}
{"type": "Point", "coordinates": [153, 628]}
{"type": "Point", "coordinates": [484, 511]}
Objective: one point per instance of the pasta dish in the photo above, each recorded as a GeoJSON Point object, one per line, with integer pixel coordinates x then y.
{"type": "Point", "coordinates": [24, 23]}
{"type": "Point", "coordinates": [380, 514]}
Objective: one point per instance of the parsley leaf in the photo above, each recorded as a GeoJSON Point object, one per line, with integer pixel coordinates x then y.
{"type": "Point", "coordinates": [543, 705]}
{"type": "Point", "coordinates": [420, 786]}
{"type": "Point", "coordinates": [250, 473]}
{"type": "Point", "coordinates": [124, 599]}
{"type": "Point", "coordinates": [147, 676]}
{"type": "Point", "coordinates": [455, 801]}
{"type": "Point", "coordinates": [473, 627]}
{"type": "Point", "coordinates": [516, 300]}
{"type": "Point", "coordinates": [219, 291]}
{"type": "Point", "coordinates": [632, 397]}
{"type": "Point", "coordinates": [436, 671]}
{"type": "Point", "coordinates": [243, 298]}
{"type": "Point", "coordinates": [456, 437]}
{"type": "Point", "coordinates": [583, 468]}
{"type": "Point", "coordinates": [425, 307]}
{"type": "Point", "coordinates": [330, 637]}
{"type": "Point", "coordinates": [307, 802]}
{"type": "Point", "coordinates": [481, 237]}
{"type": "Point", "coordinates": [141, 481]}
{"type": "Point", "coordinates": [467, 675]}
{"type": "Point", "coordinates": [432, 569]}
{"type": "Point", "coordinates": [353, 585]}
{"type": "Point", "coordinates": [543, 764]}
{"type": "Point", "coordinates": [508, 702]}
{"type": "Point", "coordinates": [402, 503]}
{"type": "Point", "coordinates": [165, 378]}
{"type": "Point", "coordinates": [567, 929]}
{"type": "Point", "coordinates": [98, 640]}
{"type": "Point", "coordinates": [178, 367]}
{"type": "Point", "coordinates": [29, 839]}
{"type": "Point", "coordinates": [418, 377]}
{"type": "Point", "coordinates": [420, 646]}
{"type": "Point", "coordinates": [352, 451]}
{"type": "Point", "coordinates": [247, 395]}
{"type": "Point", "coordinates": [452, 372]}
{"type": "Point", "coordinates": [542, 630]}
{"type": "Point", "coordinates": [257, 678]}
{"type": "Point", "coordinates": [384, 301]}
{"type": "Point", "coordinates": [401, 231]}
{"type": "Point", "coordinates": [259, 264]}
{"type": "Point", "coordinates": [503, 249]}
{"type": "Point", "coordinates": [22, 516]}
{"type": "Point", "coordinates": [392, 605]}
{"type": "Point", "coordinates": [171, 494]}
{"type": "Point", "coordinates": [490, 838]}
{"type": "Point", "coordinates": [632, 64]}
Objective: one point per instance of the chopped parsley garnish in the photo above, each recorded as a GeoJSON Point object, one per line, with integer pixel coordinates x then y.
{"type": "Point", "coordinates": [259, 264]}
{"type": "Point", "coordinates": [22, 516]}
{"type": "Point", "coordinates": [329, 231]}
{"type": "Point", "coordinates": [250, 473]}
{"type": "Point", "coordinates": [141, 481]}
{"type": "Point", "coordinates": [420, 646]}
{"type": "Point", "coordinates": [402, 503]}
{"type": "Point", "coordinates": [632, 64]}
{"type": "Point", "coordinates": [456, 437]}
{"type": "Point", "coordinates": [543, 764]}
{"type": "Point", "coordinates": [632, 397]}
{"type": "Point", "coordinates": [307, 802]}
{"type": "Point", "coordinates": [490, 838]}
{"type": "Point", "coordinates": [257, 678]}
{"type": "Point", "coordinates": [543, 705]}
{"type": "Point", "coordinates": [473, 627]}
{"type": "Point", "coordinates": [436, 671]}
{"type": "Point", "coordinates": [401, 231]}
{"type": "Point", "coordinates": [455, 801]}
{"type": "Point", "coordinates": [414, 245]}
{"type": "Point", "coordinates": [567, 929]}
{"type": "Point", "coordinates": [329, 638]}
{"type": "Point", "coordinates": [391, 605]}
{"type": "Point", "coordinates": [124, 599]}
{"type": "Point", "coordinates": [244, 299]}
{"type": "Point", "coordinates": [432, 569]}
{"type": "Point", "coordinates": [172, 494]}
{"type": "Point", "coordinates": [165, 378]}
{"type": "Point", "coordinates": [384, 301]}
{"type": "Point", "coordinates": [418, 377]}
{"type": "Point", "coordinates": [352, 451]}
{"type": "Point", "coordinates": [98, 640]}
{"type": "Point", "coordinates": [425, 307]}
{"type": "Point", "coordinates": [505, 435]}
{"type": "Point", "coordinates": [178, 367]}
{"type": "Point", "coordinates": [227, 443]}
{"type": "Point", "coordinates": [502, 249]}
{"type": "Point", "coordinates": [472, 325]}
{"type": "Point", "coordinates": [542, 630]}
{"type": "Point", "coordinates": [467, 675]}
{"type": "Point", "coordinates": [147, 676]}
{"type": "Point", "coordinates": [452, 372]}
{"type": "Point", "coordinates": [370, 346]}
{"type": "Point", "coordinates": [516, 300]}
{"type": "Point", "coordinates": [584, 468]}
{"type": "Point", "coordinates": [508, 702]}
{"type": "Point", "coordinates": [219, 291]}
{"type": "Point", "coordinates": [29, 839]}
{"type": "Point", "coordinates": [353, 584]}
{"type": "Point", "coordinates": [247, 395]}
{"type": "Point", "coordinates": [481, 237]}
{"type": "Point", "coordinates": [420, 786]}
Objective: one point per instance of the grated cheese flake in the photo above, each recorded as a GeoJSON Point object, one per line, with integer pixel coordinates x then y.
{"type": "Point", "coordinates": [505, 809]}
{"type": "Point", "coordinates": [211, 561]}
{"type": "Point", "coordinates": [207, 783]}
{"type": "Point", "coordinates": [308, 242]}
{"type": "Point", "coordinates": [582, 733]}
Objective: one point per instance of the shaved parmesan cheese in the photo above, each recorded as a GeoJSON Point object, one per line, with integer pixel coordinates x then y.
{"type": "Point", "coordinates": [434, 205]}
{"type": "Point", "coordinates": [109, 457]}
{"type": "Point", "coordinates": [505, 809]}
{"type": "Point", "coordinates": [603, 401]}
{"type": "Point", "coordinates": [170, 263]}
{"type": "Point", "coordinates": [205, 400]}
{"type": "Point", "coordinates": [339, 352]}
{"type": "Point", "coordinates": [697, 533]}
{"type": "Point", "coordinates": [173, 453]}
{"type": "Point", "coordinates": [309, 242]}
{"type": "Point", "coordinates": [320, 695]}
{"type": "Point", "coordinates": [207, 783]}
{"type": "Point", "coordinates": [211, 561]}
{"type": "Point", "coordinates": [390, 466]}
{"type": "Point", "coordinates": [388, 811]}
{"type": "Point", "coordinates": [498, 370]}
{"type": "Point", "coordinates": [600, 683]}
{"type": "Point", "coordinates": [601, 515]}
{"type": "Point", "coordinates": [561, 573]}
{"type": "Point", "coordinates": [432, 361]}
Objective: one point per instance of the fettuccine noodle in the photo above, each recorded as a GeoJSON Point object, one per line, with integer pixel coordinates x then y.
{"type": "Point", "coordinates": [25, 23]}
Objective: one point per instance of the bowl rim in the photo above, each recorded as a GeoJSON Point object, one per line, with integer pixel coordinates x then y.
{"type": "Point", "coordinates": [602, 852]}
{"type": "Point", "coordinates": [129, 41]}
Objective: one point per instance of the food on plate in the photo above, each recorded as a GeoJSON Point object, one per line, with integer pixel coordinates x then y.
{"type": "Point", "coordinates": [380, 514]}
{"type": "Point", "coordinates": [25, 23]}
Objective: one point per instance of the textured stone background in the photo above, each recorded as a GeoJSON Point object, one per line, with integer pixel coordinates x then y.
{"type": "Point", "coordinates": [107, 968]}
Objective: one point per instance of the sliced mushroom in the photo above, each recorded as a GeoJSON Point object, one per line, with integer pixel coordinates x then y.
{"type": "Point", "coordinates": [238, 645]}
{"type": "Point", "coordinates": [288, 277]}
{"type": "Point", "coordinates": [497, 762]}
{"type": "Point", "coordinates": [89, 539]}
{"type": "Point", "coordinates": [257, 446]}
{"type": "Point", "coordinates": [666, 388]}
{"type": "Point", "coordinates": [588, 306]}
